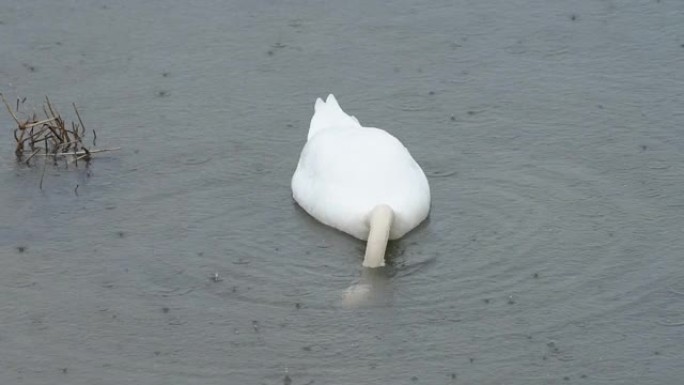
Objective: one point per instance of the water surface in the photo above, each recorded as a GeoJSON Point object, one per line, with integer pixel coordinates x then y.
{"type": "Point", "coordinates": [551, 133]}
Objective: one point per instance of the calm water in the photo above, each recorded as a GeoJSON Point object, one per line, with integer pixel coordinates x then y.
{"type": "Point", "coordinates": [551, 132]}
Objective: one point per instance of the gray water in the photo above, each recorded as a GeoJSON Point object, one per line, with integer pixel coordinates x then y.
{"type": "Point", "coordinates": [551, 132]}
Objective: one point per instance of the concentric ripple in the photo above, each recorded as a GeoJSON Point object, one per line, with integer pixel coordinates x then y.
{"type": "Point", "coordinates": [523, 237]}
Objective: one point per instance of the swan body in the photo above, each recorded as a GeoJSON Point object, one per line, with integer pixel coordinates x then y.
{"type": "Point", "coordinates": [360, 180]}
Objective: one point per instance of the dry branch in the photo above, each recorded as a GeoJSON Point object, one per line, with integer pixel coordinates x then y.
{"type": "Point", "coordinates": [49, 136]}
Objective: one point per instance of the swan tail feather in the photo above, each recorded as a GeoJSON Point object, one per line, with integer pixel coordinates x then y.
{"type": "Point", "coordinates": [329, 114]}
{"type": "Point", "coordinates": [319, 105]}
{"type": "Point", "coordinates": [332, 101]}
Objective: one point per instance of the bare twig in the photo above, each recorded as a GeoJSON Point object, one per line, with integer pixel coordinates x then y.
{"type": "Point", "coordinates": [79, 116]}
{"type": "Point", "coordinates": [49, 106]}
{"type": "Point", "coordinates": [50, 137]}
{"type": "Point", "coordinates": [10, 109]}
{"type": "Point", "coordinates": [32, 155]}
{"type": "Point", "coordinates": [84, 152]}
{"type": "Point", "coordinates": [44, 121]}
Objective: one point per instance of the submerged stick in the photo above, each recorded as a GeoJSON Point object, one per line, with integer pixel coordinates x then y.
{"type": "Point", "coordinates": [42, 175]}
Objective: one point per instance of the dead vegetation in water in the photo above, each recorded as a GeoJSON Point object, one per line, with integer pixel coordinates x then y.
{"type": "Point", "coordinates": [48, 136]}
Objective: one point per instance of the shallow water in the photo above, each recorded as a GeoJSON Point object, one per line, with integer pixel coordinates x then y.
{"type": "Point", "coordinates": [551, 133]}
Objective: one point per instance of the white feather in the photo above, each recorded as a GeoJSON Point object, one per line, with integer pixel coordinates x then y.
{"type": "Point", "coordinates": [345, 170]}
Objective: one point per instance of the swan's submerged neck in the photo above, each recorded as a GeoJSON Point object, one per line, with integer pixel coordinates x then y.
{"type": "Point", "coordinates": [380, 222]}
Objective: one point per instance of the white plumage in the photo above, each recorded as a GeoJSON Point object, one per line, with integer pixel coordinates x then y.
{"type": "Point", "coordinates": [346, 170]}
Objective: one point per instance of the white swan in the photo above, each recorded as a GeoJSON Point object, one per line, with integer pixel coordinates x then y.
{"type": "Point", "coordinates": [360, 180]}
